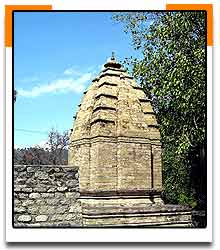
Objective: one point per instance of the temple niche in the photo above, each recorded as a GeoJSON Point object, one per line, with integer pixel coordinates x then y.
{"type": "Point", "coordinates": [115, 143]}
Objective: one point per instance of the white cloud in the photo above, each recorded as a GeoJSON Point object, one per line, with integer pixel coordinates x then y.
{"type": "Point", "coordinates": [29, 79]}
{"type": "Point", "coordinates": [71, 72]}
{"type": "Point", "coordinates": [41, 144]}
{"type": "Point", "coordinates": [61, 85]}
{"type": "Point", "coordinates": [101, 67]}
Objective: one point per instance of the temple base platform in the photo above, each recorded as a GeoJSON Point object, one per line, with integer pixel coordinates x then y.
{"type": "Point", "coordinates": [133, 212]}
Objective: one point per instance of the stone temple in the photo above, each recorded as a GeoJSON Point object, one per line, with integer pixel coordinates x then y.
{"type": "Point", "coordinates": [115, 143]}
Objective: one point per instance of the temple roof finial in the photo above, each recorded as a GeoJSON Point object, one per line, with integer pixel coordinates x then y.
{"type": "Point", "coordinates": [112, 62]}
{"type": "Point", "coordinates": [113, 56]}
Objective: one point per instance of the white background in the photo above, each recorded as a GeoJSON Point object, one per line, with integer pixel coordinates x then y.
{"type": "Point", "coordinates": [119, 4]}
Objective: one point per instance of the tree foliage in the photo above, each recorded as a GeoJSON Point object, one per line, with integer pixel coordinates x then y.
{"type": "Point", "coordinates": [172, 71]}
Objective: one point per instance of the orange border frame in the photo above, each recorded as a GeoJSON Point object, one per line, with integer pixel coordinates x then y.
{"type": "Point", "coordinates": [8, 18]}
{"type": "Point", "coordinates": [207, 7]}
{"type": "Point", "coordinates": [10, 8]}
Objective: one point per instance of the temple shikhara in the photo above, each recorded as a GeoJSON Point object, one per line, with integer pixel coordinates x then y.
{"type": "Point", "coordinates": [115, 143]}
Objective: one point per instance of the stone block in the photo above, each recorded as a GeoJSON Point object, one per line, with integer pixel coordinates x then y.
{"type": "Point", "coordinates": [40, 202]}
{"type": "Point", "coordinates": [17, 202]}
{"type": "Point", "coordinates": [24, 218]}
{"type": "Point", "coordinates": [75, 208]}
{"type": "Point", "coordinates": [47, 195]}
{"type": "Point", "coordinates": [34, 196]}
{"type": "Point", "coordinates": [33, 169]}
{"type": "Point", "coordinates": [18, 188]}
{"type": "Point", "coordinates": [52, 190]}
{"type": "Point", "coordinates": [19, 210]}
{"type": "Point", "coordinates": [46, 209]}
{"type": "Point", "coordinates": [72, 195]}
{"type": "Point", "coordinates": [27, 203]}
{"type": "Point", "coordinates": [61, 209]}
{"type": "Point", "coordinates": [56, 217]}
{"type": "Point", "coordinates": [58, 175]}
{"type": "Point", "coordinates": [22, 196]}
{"type": "Point", "coordinates": [33, 209]}
{"type": "Point", "coordinates": [71, 183]}
{"type": "Point", "coordinates": [59, 195]}
{"type": "Point", "coordinates": [20, 181]}
{"type": "Point", "coordinates": [69, 217]}
{"type": "Point", "coordinates": [31, 182]}
{"type": "Point", "coordinates": [26, 190]}
{"type": "Point", "coordinates": [53, 202]}
{"type": "Point", "coordinates": [61, 189]}
{"type": "Point", "coordinates": [41, 218]}
{"type": "Point", "coordinates": [41, 175]}
{"type": "Point", "coordinates": [19, 168]}
{"type": "Point", "coordinates": [40, 189]}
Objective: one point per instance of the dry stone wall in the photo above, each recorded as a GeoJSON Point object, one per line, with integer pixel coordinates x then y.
{"type": "Point", "coordinates": [46, 196]}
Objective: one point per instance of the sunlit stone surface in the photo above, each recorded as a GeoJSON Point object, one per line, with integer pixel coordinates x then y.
{"type": "Point", "coordinates": [115, 143]}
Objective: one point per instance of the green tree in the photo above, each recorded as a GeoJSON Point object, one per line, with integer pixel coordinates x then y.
{"type": "Point", "coordinates": [172, 71]}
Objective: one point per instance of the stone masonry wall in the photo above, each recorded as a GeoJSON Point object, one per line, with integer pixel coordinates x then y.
{"type": "Point", "coordinates": [46, 196]}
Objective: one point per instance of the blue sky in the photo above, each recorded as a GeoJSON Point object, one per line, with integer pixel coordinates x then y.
{"type": "Point", "coordinates": [56, 55]}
